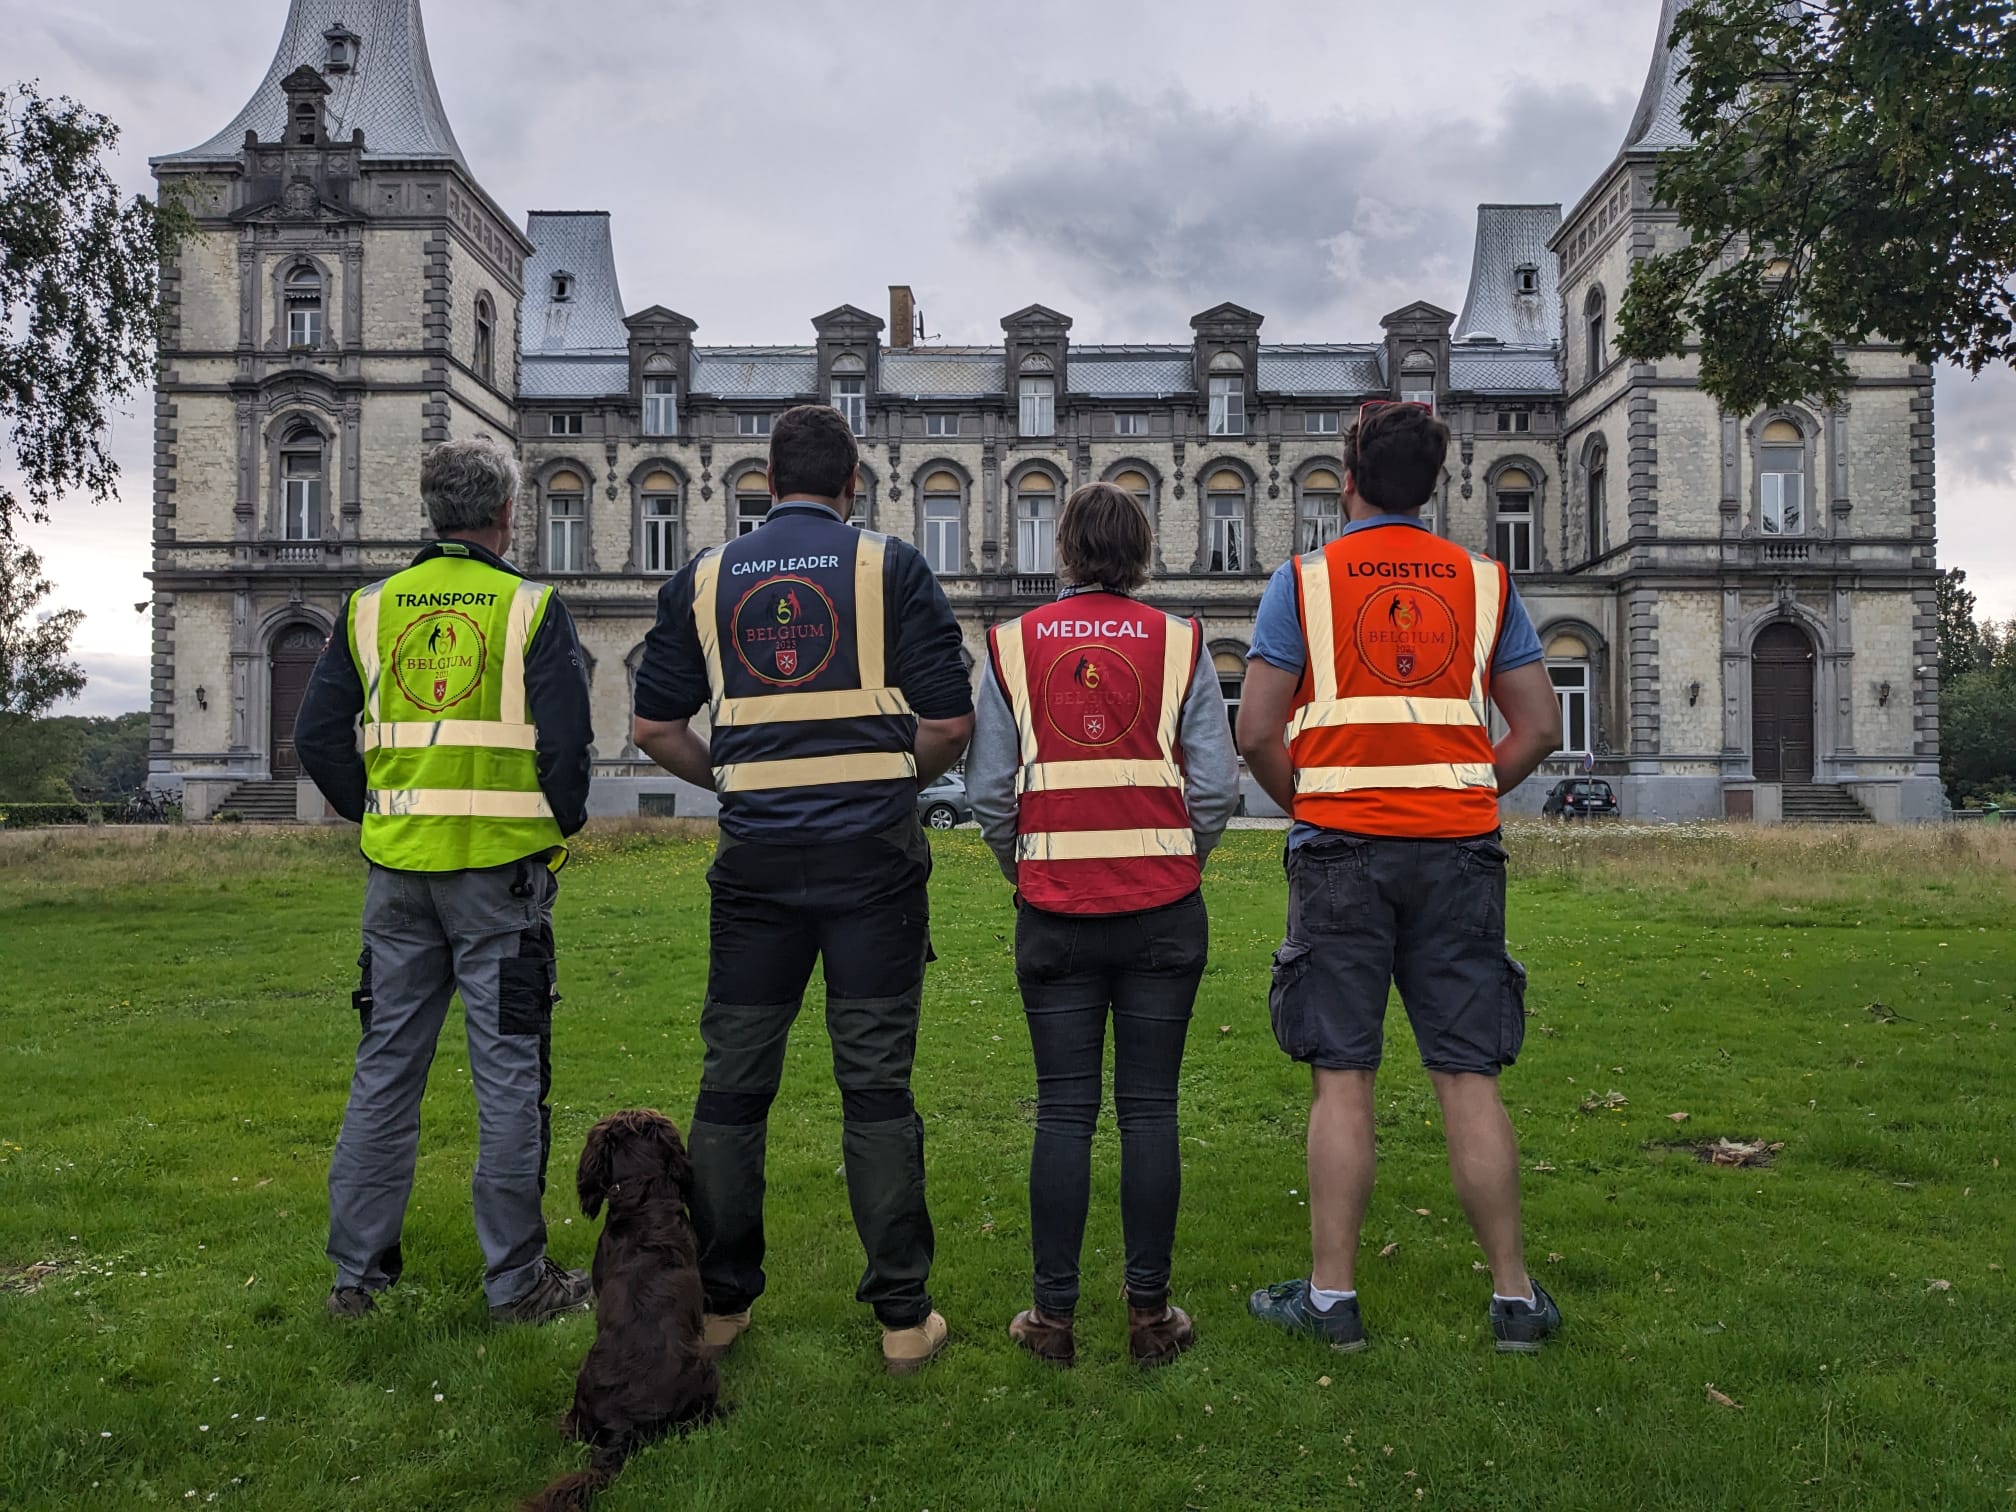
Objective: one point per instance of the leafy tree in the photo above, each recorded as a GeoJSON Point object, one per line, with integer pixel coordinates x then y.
{"type": "Point", "coordinates": [110, 758]}
{"type": "Point", "coordinates": [1850, 178]}
{"type": "Point", "coordinates": [80, 272]}
{"type": "Point", "coordinates": [35, 674]}
{"type": "Point", "coordinates": [1960, 646]}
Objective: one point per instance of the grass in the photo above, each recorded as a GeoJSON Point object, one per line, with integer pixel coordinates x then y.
{"type": "Point", "coordinates": [175, 1036]}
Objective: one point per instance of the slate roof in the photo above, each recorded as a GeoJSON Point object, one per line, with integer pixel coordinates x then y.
{"type": "Point", "coordinates": [1504, 370]}
{"type": "Point", "coordinates": [1510, 237]}
{"type": "Point", "coordinates": [575, 242]}
{"type": "Point", "coordinates": [755, 372]}
{"type": "Point", "coordinates": [559, 377]}
{"type": "Point", "coordinates": [944, 372]}
{"type": "Point", "coordinates": [1322, 370]}
{"type": "Point", "coordinates": [1655, 124]}
{"type": "Point", "coordinates": [390, 92]}
{"type": "Point", "coordinates": [1114, 372]}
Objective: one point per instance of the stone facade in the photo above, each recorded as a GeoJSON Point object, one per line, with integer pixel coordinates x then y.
{"type": "Point", "coordinates": [1649, 532]}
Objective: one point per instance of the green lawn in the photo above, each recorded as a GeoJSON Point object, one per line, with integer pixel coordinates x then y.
{"type": "Point", "coordinates": [175, 1034]}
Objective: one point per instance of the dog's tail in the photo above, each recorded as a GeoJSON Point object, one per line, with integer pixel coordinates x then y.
{"type": "Point", "coordinates": [572, 1493]}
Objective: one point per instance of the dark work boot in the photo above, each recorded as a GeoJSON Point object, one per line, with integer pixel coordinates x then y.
{"type": "Point", "coordinates": [350, 1302]}
{"type": "Point", "coordinates": [1156, 1335]}
{"type": "Point", "coordinates": [1049, 1339]}
{"type": "Point", "coordinates": [556, 1292]}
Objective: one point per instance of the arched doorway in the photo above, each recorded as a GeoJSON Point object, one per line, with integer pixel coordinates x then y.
{"type": "Point", "coordinates": [290, 659]}
{"type": "Point", "coordinates": [1781, 705]}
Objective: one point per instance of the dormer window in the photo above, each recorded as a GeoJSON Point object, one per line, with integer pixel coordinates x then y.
{"type": "Point", "coordinates": [1526, 279]}
{"type": "Point", "coordinates": [305, 124]}
{"type": "Point", "coordinates": [563, 287]}
{"type": "Point", "coordinates": [342, 55]}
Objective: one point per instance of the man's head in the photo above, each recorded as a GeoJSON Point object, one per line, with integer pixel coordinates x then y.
{"type": "Point", "coordinates": [1393, 456]}
{"type": "Point", "coordinates": [1103, 539]}
{"type": "Point", "coordinates": [813, 456]}
{"type": "Point", "coordinates": [468, 487]}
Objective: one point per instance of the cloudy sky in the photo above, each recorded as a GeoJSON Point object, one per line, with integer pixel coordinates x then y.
{"type": "Point", "coordinates": [1129, 163]}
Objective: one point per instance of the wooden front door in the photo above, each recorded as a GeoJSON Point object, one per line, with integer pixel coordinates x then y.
{"type": "Point", "coordinates": [292, 659]}
{"type": "Point", "coordinates": [1781, 705]}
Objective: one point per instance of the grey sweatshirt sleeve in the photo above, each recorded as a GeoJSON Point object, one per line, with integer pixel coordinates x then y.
{"type": "Point", "coordinates": [991, 760]}
{"type": "Point", "coordinates": [1210, 770]}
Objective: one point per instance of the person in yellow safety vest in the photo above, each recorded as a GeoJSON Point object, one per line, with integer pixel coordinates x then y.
{"type": "Point", "coordinates": [474, 765]}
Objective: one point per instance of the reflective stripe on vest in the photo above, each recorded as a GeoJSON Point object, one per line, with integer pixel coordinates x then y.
{"type": "Point", "coordinates": [1373, 761]}
{"type": "Point", "coordinates": [460, 791]}
{"type": "Point", "coordinates": [1103, 826]}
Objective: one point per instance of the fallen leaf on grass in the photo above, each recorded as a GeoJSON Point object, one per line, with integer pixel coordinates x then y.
{"type": "Point", "coordinates": [1739, 1152]}
{"type": "Point", "coordinates": [1555, 1257]}
{"type": "Point", "coordinates": [1394, 1248]}
{"type": "Point", "coordinates": [1678, 1117]}
{"type": "Point", "coordinates": [1423, 1212]}
{"type": "Point", "coordinates": [1224, 1028]}
{"type": "Point", "coordinates": [1541, 1165]}
{"type": "Point", "coordinates": [1722, 1398]}
{"type": "Point", "coordinates": [251, 1278]}
{"type": "Point", "coordinates": [1608, 1100]}
{"type": "Point", "coordinates": [1940, 1286]}
{"type": "Point", "coordinates": [1322, 1380]}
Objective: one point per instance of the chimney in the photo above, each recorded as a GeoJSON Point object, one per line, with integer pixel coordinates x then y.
{"type": "Point", "coordinates": [902, 316]}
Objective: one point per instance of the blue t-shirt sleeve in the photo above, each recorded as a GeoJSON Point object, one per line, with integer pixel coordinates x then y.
{"type": "Point", "coordinates": [1277, 628]}
{"type": "Point", "coordinates": [1518, 645]}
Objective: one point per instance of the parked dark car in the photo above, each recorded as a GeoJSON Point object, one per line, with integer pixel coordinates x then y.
{"type": "Point", "coordinates": [943, 804]}
{"type": "Point", "coordinates": [1580, 798]}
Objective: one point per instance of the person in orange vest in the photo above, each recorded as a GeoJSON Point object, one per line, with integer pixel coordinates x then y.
{"type": "Point", "coordinates": [1102, 774]}
{"type": "Point", "coordinates": [1365, 715]}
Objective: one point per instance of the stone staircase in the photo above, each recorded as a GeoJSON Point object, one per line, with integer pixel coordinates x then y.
{"type": "Point", "coordinates": [1822, 803]}
{"type": "Point", "coordinates": [270, 802]}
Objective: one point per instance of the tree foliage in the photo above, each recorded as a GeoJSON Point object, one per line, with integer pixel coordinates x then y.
{"type": "Point", "coordinates": [110, 755]}
{"type": "Point", "coordinates": [80, 272]}
{"type": "Point", "coordinates": [1850, 180]}
{"type": "Point", "coordinates": [1959, 635]}
{"type": "Point", "coordinates": [1977, 700]}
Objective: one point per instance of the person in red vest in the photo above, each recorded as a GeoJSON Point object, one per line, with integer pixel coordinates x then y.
{"type": "Point", "coordinates": [1366, 715]}
{"type": "Point", "coordinates": [1102, 773]}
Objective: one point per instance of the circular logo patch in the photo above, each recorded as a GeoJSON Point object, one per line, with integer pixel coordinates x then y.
{"type": "Point", "coordinates": [438, 659]}
{"type": "Point", "coordinates": [1092, 695]}
{"type": "Point", "coordinates": [785, 629]}
{"type": "Point", "coordinates": [1406, 634]}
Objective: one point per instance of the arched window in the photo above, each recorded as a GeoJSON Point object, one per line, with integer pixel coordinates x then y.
{"type": "Point", "coordinates": [302, 475]}
{"type": "Point", "coordinates": [307, 123]}
{"type": "Point", "coordinates": [1036, 523]}
{"type": "Point", "coordinates": [863, 515]}
{"type": "Point", "coordinates": [1417, 378]}
{"type": "Point", "coordinates": [566, 522]}
{"type": "Point", "coordinates": [1321, 513]}
{"type": "Point", "coordinates": [1781, 479]}
{"type": "Point", "coordinates": [486, 339]}
{"type": "Point", "coordinates": [562, 287]}
{"type": "Point", "coordinates": [1227, 381]}
{"type": "Point", "coordinates": [944, 511]}
{"type": "Point", "coordinates": [850, 392]}
{"type": "Point", "coordinates": [1599, 346]}
{"type": "Point", "coordinates": [304, 307]}
{"type": "Point", "coordinates": [752, 501]}
{"type": "Point", "coordinates": [1596, 488]}
{"type": "Point", "coordinates": [1512, 504]}
{"type": "Point", "coordinates": [1038, 395]}
{"type": "Point", "coordinates": [661, 524]}
{"type": "Point", "coordinates": [1231, 683]}
{"type": "Point", "coordinates": [1225, 547]}
{"type": "Point", "coordinates": [1568, 670]}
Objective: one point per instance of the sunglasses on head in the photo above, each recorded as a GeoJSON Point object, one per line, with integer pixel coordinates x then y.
{"type": "Point", "coordinates": [1366, 409]}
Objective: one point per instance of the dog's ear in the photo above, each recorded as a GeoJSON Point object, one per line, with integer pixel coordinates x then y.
{"type": "Point", "coordinates": [593, 1177]}
{"type": "Point", "coordinates": [678, 1166]}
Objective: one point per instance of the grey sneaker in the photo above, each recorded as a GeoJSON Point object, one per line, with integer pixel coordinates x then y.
{"type": "Point", "coordinates": [1286, 1305]}
{"type": "Point", "coordinates": [556, 1292]}
{"type": "Point", "coordinates": [349, 1302]}
{"type": "Point", "coordinates": [1520, 1327]}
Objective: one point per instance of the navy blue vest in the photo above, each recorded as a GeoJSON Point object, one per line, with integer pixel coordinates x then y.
{"type": "Point", "coordinates": [810, 741]}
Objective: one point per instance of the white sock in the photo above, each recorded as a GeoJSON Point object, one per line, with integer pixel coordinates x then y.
{"type": "Point", "coordinates": [1323, 1300]}
{"type": "Point", "coordinates": [1532, 1301]}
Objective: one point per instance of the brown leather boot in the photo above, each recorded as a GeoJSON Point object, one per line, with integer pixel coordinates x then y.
{"type": "Point", "coordinates": [1156, 1335]}
{"type": "Point", "coordinates": [1049, 1339]}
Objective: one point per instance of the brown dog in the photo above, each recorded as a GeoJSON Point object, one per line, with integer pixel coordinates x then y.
{"type": "Point", "coordinates": [645, 1374]}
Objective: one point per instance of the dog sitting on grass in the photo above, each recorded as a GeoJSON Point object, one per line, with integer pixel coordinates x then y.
{"type": "Point", "coordinates": [646, 1373]}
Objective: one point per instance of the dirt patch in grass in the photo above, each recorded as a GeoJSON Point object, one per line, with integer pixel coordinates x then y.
{"type": "Point", "coordinates": [1722, 1151]}
{"type": "Point", "coordinates": [27, 1278]}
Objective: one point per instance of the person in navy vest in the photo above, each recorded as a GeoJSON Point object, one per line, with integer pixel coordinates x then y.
{"type": "Point", "coordinates": [829, 663]}
{"type": "Point", "coordinates": [1102, 774]}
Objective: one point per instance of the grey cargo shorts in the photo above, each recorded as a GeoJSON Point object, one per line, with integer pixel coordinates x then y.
{"type": "Point", "coordinates": [1365, 913]}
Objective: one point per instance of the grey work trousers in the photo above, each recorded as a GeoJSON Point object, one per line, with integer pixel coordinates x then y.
{"type": "Point", "coordinates": [490, 934]}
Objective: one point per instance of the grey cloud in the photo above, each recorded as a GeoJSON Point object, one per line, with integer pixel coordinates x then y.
{"type": "Point", "coordinates": [1976, 419]}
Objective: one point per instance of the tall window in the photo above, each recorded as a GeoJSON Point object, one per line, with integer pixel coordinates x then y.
{"type": "Point", "coordinates": [301, 484]}
{"type": "Point", "coordinates": [1597, 489]}
{"type": "Point", "coordinates": [1781, 479]}
{"type": "Point", "coordinates": [850, 397]}
{"type": "Point", "coordinates": [661, 406]}
{"type": "Point", "coordinates": [1130, 425]}
{"type": "Point", "coordinates": [1322, 509]}
{"type": "Point", "coordinates": [1137, 484]}
{"type": "Point", "coordinates": [1417, 378]}
{"type": "Point", "coordinates": [304, 307]}
{"type": "Point", "coordinates": [1039, 406]}
{"type": "Point", "coordinates": [1514, 500]}
{"type": "Point", "coordinates": [1231, 683]}
{"type": "Point", "coordinates": [941, 425]}
{"type": "Point", "coordinates": [566, 523]}
{"type": "Point", "coordinates": [1571, 687]}
{"type": "Point", "coordinates": [486, 339]}
{"type": "Point", "coordinates": [1225, 517]}
{"type": "Point", "coordinates": [944, 546]}
{"type": "Point", "coordinates": [663, 549]}
{"type": "Point", "coordinates": [752, 501]}
{"type": "Point", "coordinates": [1036, 525]}
{"type": "Point", "coordinates": [752, 425]}
{"type": "Point", "coordinates": [1320, 423]}
{"type": "Point", "coordinates": [1228, 406]}
{"type": "Point", "coordinates": [1599, 345]}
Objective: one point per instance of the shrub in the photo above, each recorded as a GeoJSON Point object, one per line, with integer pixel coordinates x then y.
{"type": "Point", "coordinates": [38, 815]}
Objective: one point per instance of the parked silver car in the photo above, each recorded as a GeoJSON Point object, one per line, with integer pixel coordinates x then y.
{"type": "Point", "coordinates": [943, 804]}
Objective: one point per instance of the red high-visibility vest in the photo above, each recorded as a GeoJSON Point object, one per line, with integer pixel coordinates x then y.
{"type": "Point", "coordinates": [1390, 731]}
{"type": "Point", "coordinates": [1096, 683]}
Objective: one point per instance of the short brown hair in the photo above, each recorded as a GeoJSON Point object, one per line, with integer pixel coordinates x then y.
{"type": "Point", "coordinates": [1103, 538]}
{"type": "Point", "coordinates": [1394, 455]}
{"type": "Point", "coordinates": [812, 451]}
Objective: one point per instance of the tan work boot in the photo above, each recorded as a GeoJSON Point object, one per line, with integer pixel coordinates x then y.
{"type": "Point", "coordinates": [1049, 1339]}
{"type": "Point", "coordinates": [908, 1350]}
{"type": "Point", "coordinates": [719, 1331]}
{"type": "Point", "coordinates": [1156, 1335]}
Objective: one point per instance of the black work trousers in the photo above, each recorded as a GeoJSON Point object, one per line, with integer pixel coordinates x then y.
{"type": "Point", "coordinates": [1073, 969]}
{"type": "Point", "coordinates": [862, 908]}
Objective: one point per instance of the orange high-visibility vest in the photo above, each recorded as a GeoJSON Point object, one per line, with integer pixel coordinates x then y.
{"type": "Point", "coordinates": [1096, 683]}
{"type": "Point", "coordinates": [1390, 732]}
